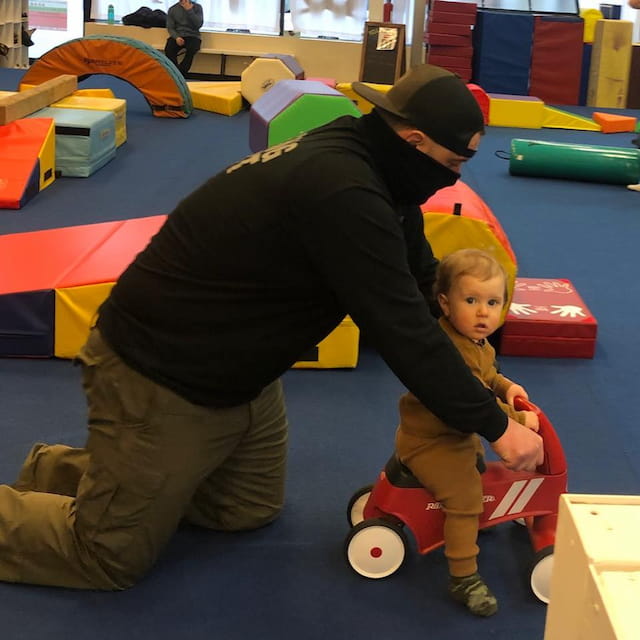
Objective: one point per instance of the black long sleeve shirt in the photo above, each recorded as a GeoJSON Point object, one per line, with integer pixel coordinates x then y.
{"type": "Point", "coordinates": [266, 258]}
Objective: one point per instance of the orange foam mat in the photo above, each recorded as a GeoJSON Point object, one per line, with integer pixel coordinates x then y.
{"type": "Point", "coordinates": [614, 123]}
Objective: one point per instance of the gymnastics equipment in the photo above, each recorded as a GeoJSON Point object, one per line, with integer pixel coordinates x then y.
{"type": "Point", "coordinates": [610, 64]}
{"type": "Point", "coordinates": [554, 118]}
{"type": "Point", "coordinates": [482, 98]}
{"type": "Point", "coordinates": [265, 72]}
{"type": "Point", "coordinates": [117, 106]}
{"type": "Point", "coordinates": [21, 104]}
{"type": "Point", "coordinates": [330, 82]}
{"type": "Point", "coordinates": [339, 350]}
{"type": "Point", "coordinates": [590, 18]}
{"type": "Point", "coordinates": [614, 123]}
{"type": "Point", "coordinates": [46, 305]}
{"type": "Point", "coordinates": [556, 59]}
{"type": "Point", "coordinates": [548, 318]}
{"type": "Point", "coordinates": [219, 97]}
{"type": "Point", "coordinates": [448, 33]}
{"type": "Point", "coordinates": [526, 112]}
{"type": "Point", "coordinates": [502, 43]}
{"type": "Point", "coordinates": [85, 139]}
{"type": "Point", "coordinates": [292, 107]}
{"type": "Point", "coordinates": [364, 106]}
{"type": "Point", "coordinates": [148, 70]}
{"type": "Point", "coordinates": [457, 217]}
{"type": "Point", "coordinates": [633, 93]}
{"type": "Point", "coordinates": [592, 163]}
{"type": "Point", "coordinates": [27, 161]}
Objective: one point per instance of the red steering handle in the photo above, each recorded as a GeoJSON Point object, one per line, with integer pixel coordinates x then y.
{"type": "Point", "coordinates": [554, 459]}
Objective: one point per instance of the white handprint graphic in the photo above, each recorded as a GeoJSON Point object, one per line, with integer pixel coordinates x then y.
{"type": "Point", "coordinates": [567, 311]}
{"type": "Point", "coordinates": [518, 308]}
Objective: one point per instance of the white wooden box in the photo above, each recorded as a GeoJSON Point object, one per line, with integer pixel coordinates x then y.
{"type": "Point", "coordinates": [596, 571]}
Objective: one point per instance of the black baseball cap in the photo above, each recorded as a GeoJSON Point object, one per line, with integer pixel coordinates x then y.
{"type": "Point", "coordinates": [434, 100]}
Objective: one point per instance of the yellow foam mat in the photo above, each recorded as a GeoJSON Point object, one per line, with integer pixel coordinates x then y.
{"type": "Point", "coordinates": [117, 106]}
{"type": "Point", "coordinates": [220, 97]}
{"type": "Point", "coordinates": [339, 350]}
{"type": "Point", "coordinates": [515, 111]}
{"type": "Point", "coordinates": [47, 158]}
{"type": "Point", "coordinates": [559, 119]}
{"type": "Point", "coordinates": [75, 313]}
{"type": "Point", "coordinates": [95, 93]}
{"type": "Point", "coordinates": [363, 105]}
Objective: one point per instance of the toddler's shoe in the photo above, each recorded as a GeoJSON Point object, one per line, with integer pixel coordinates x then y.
{"type": "Point", "coordinates": [472, 592]}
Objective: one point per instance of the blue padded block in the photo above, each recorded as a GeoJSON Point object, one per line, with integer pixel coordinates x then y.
{"type": "Point", "coordinates": [85, 139]}
{"type": "Point", "coordinates": [584, 76]}
{"type": "Point", "coordinates": [27, 324]}
{"type": "Point", "coordinates": [502, 52]}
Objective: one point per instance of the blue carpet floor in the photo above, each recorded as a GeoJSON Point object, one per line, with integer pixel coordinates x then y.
{"type": "Point", "coordinates": [290, 580]}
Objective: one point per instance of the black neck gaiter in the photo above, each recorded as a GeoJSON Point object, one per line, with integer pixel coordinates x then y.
{"type": "Point", "coordinates": [410, 175]}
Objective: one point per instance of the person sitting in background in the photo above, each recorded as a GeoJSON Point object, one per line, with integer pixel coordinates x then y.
{"type": "Point", "coordinates": [184, 20]}
{"type": "Point", "coordinates": [471, 289]}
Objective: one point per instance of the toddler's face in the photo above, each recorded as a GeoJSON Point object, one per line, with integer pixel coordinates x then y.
{"type": "Point", "coordinates": [474, 306]}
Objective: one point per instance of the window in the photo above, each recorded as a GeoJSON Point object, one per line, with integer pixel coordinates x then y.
{"type": "Point", "coordinates": [260, 17]}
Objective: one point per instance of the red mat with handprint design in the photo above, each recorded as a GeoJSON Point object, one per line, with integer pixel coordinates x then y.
{"type": "Point", "coordinates": [549, 319]}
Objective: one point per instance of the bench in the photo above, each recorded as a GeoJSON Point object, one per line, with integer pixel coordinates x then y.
{"type": "Point", "coordinates": [223, 53]}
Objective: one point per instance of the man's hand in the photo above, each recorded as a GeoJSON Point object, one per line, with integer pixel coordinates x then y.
{"type": "Point", "coordinates": [180, 41]}
{"type": "Point", "coordinates": [520, 449]}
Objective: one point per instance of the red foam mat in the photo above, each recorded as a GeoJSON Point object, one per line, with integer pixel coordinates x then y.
{"type": "Point", "coordinates": [21, 142]}
{"type": "Point", "coordinates": [72, 256]}
{"type": "Point", "coordinates": [556, 60]}
{"type": "Point", "coordinates": [548, 318]}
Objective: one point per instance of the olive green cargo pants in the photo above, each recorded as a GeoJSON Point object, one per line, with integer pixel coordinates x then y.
{"type": "Point", "coordinates": [98, 517]}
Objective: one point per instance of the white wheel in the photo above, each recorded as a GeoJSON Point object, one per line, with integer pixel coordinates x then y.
{"type": "Point", "coordinates": [375, 548]}
{"type": "Point", "coordinates": [541, 574]}
{"type": "Point", "coordinates": [355, 510]}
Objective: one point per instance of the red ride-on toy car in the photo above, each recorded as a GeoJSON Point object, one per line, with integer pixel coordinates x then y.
{"type": "Point", "coordinates": [376, 545]}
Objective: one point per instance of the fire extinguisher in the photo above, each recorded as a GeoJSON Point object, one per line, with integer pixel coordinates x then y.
{"type": "Point", "coordinates": [387, 10]}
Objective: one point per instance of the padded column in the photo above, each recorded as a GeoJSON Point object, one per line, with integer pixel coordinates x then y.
{"type": "Point", "coordinates": [556, 59]}
{"type": "Point", "coordinates": [502, 52]}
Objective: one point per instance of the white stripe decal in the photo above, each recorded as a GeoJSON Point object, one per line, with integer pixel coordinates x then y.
{"type": "Point", "coordinates": [508, 499]}
{"type": "Point", "coordinates": [526, 495]}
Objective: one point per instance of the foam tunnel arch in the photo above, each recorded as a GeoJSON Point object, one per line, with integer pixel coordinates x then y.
{"type": "Point", "coordinates": [457, 217]}
{"type": "Point", "coordinates": [136, 62]}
